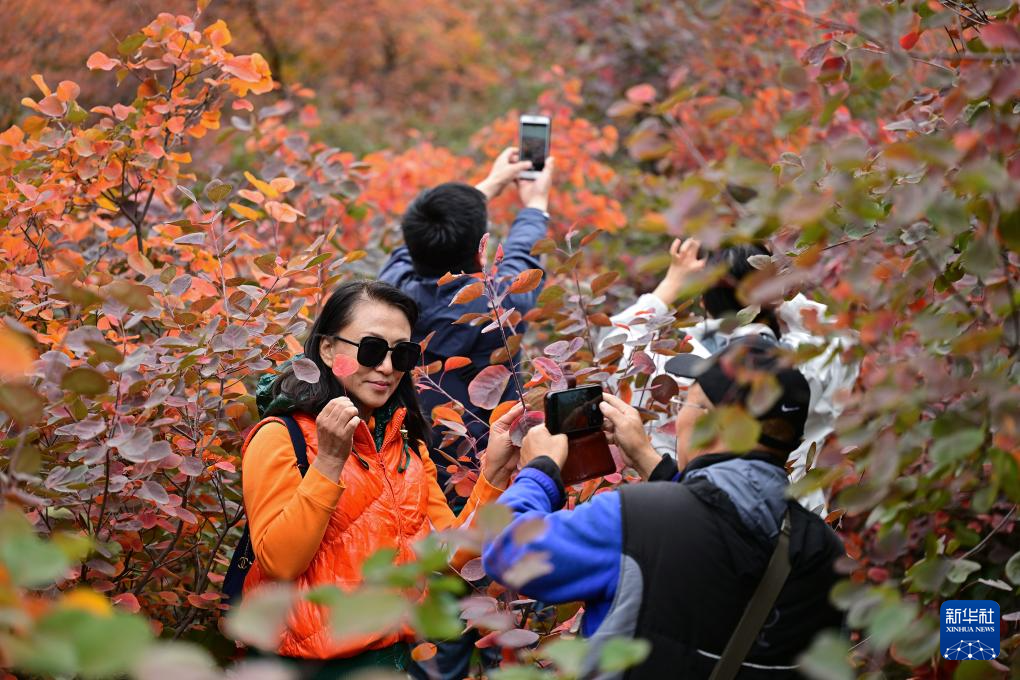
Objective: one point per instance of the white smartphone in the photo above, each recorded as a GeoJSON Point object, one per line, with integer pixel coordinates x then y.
{"type": "Point", "coordinates": [534, 144]}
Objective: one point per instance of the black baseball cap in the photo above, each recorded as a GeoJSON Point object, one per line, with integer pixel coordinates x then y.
{"type": "Point", "coordinates": [717, 375]}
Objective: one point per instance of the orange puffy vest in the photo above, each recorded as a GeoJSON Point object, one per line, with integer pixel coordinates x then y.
{"type": "Point", "coordinates": [379, 508]}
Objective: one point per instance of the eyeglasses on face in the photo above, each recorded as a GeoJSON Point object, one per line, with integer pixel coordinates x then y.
{"type": "Point", "coordinates": [681, 400]}
{"type": "Point", "coordinates": [372, 351]}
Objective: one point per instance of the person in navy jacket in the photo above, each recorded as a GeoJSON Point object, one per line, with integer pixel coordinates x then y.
{"type": "Point", "coordinates": [442, 229]}
{"type": "Point", "coordinates": [675, 560]}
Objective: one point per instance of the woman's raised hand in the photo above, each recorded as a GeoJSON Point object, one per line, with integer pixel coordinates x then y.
{"type": "Point", "coordinates": [500, 458]}
{"type": "Point", "coordinates": [335, 430]}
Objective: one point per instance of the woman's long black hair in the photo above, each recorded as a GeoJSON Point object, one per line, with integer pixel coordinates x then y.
{"type": "Point", "coordinates": [338, 311]}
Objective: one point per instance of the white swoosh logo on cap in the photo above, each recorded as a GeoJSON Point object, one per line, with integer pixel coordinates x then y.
{"type": "Point", "coordinates": [788, 410]}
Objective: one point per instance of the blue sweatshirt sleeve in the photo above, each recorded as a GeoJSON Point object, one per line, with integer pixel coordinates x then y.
{"type": "Point", "coordinates": [530, 226]}
{"type": "Point", "coordinates": [397, 267]}
{"type": "Point", "coordinates": [583, 545]}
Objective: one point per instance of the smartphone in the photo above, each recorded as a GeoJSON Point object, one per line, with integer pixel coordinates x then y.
{"type": "Point", "coordinates": [534, 144]}
{"type": "Point", "coordinates": [574, 410]}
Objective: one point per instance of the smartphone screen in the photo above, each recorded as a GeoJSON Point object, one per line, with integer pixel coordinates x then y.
{"type": "Point", "coordinates": [575, 410]}
{"type": "Point", "coordinates": [534, 140]}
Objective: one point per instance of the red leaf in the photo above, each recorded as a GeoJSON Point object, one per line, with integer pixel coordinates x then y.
{"type": "Point", "coordinates": [641, 94]}
{"type": "Point", "coordinates": [526, 281]}
{"type": "Point", "coordinates": [1001, 35]}
{"type": "Point", "coordinates": [486, 390]}
{"type": "Point", "coordinates": [127, 602]}
{"type": "Point", "coordinates": [908, 40]}
{"type": "Point", "coordinates": [344, 365]}
{"type": "Point", "coordinates": [468, 293]}
{"type": "Point", "coordinates": [550, 369]}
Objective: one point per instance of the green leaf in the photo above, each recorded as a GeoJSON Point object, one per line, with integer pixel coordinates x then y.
{"type": "Point", "coordinates": [130, 44]}
{"type": "Point", "coordinates": [85, 381]}
{"type": "Point", "coordinates": [956, 446]}
{"type": "Point", "coordinates": [104, 646]}
{"type": "Point", "coordinates": [961, 569]}
{"type": "Point", "coordinates": [21, 403]}
{"type": "Point", "coordinates": [977, 670]}
{"type": "Point", "coordinates": [929, 574]}
{"type": "Point", "coordinates": [619, 654]}
{"type": "Point", "coordinates": [261, 617]}
{"type": "Point", "coordinates": [438, 617]}
{"type": "Point", "coordinates": [827, 658]}
{"type": "Point", "coordinates": [981, 257]}
{"type": "Point", "coordinates": [1012, 570]}
{"type": "Point", "coordinates": [1009, 230]}
{"type": "Point", "coordinates": [889, 621]}
{"type": "Point", "coordinates": [218, 190]}
{"type": "Point", "coordinates": [367, 611]}
{"type": "Point", "coordinates": [521, 673]}
{"type": "Point", "coordinates": [32, 562]}
{"type": "Point", "coordinates": [738, 429]}
{"type": "Point", "coordinates": [567, 653]}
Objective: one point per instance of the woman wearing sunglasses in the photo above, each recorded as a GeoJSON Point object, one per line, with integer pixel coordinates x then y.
{"type": "Point", "coordinates": [371, 483]}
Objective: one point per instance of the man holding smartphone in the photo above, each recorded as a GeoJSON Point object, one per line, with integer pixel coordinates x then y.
{"type": "Point", "coordinates": [651, 560]}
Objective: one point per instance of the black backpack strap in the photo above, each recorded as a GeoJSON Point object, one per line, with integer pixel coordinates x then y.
{"type": "Point", "coordinates": [244, 553]}
{"type": "Point", "coordinates": [758, 608]}
{"type": "Point", "coordinates": [297, 440]}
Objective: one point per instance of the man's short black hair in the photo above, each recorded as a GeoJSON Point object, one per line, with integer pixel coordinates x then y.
{"type": "Point", "coordinates": [721, 299]}
{"type": "Point", "coordinates": [442, 228]}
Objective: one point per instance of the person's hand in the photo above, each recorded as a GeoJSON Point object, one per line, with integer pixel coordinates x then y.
{"type": "Point", "coordinates": [540, 442]}
{"type": "Point", "coordinates": [535, 193]}
{"type": "Point", "coordinates": [683, 262]}
{"type": "Point", "coordinates": [624, 427]}
{"type": "Point", "coordinates": [334, 428]}
{"type": "Point", "coordinates": [500, 458]}
{"type": "Point", "coordinates": [505, 169]}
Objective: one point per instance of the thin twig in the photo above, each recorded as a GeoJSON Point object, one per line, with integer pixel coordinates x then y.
{"type": "Point", "coordinates": [991, 533]}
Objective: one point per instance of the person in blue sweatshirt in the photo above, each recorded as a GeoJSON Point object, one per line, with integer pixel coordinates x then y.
{"type": "Point", "coordinates": [675, 559]}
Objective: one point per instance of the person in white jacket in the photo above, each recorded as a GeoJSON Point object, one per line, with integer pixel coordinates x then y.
{"type": "Point", "coordinates": [649, 321]}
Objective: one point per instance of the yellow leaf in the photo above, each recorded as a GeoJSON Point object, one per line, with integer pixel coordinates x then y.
{"type": "Point", "coordinates": [245, 212]}
{"type": "Point", "coordinates": [41, 84]}
{"type": "Point", "coordinates": [107, 204]}
{"type": "Point", "coordinates": [264, 187]}
{"type": "Point", "coordinates": [218, 34]}
{"type": "Point", "coordinates": [87, 600]}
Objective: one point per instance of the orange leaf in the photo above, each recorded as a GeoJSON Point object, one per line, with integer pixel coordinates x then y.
{"type": "Point", "coordinates": [12, 136]}
{"type": "Point", "coordinates": [282, 184]}
{"type": "Point", "coordinates": [423, 652]}
{"type": "Point", "coordinates": [446, 413]}
{"type": "Point", "coordinates": [51, 106]}
{"type": "Point", "coordinates": [448, 278]}
{"type": "Point", "coordinates": [501, 410]}
{"type": "Point", "coordinates": [453, 363]}
{"type": "Point", "coordinates": [17, 353]}
{"type": "Point", "coordinates": [100, 61]}
{"type": "Point", "coordinates": [526, 281]}
{"type": "Point", "coordinates": [218, 34]}
{"type": "Point", "coordinates": [468, 293]}
{"type": "Point", "coordinates": [68, 90]}
{"type": "Point", "coordinates": [283, 212]}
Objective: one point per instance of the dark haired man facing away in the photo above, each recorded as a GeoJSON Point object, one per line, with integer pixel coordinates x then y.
{"type": "Point", "coordinates": [442, 229]}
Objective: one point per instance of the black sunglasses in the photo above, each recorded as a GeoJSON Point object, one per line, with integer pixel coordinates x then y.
{"type": "Point", "coordinates": [372, 352]}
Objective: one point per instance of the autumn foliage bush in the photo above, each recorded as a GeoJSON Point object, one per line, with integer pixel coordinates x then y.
{"type": "Point", "coordinates": [161, 253]}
